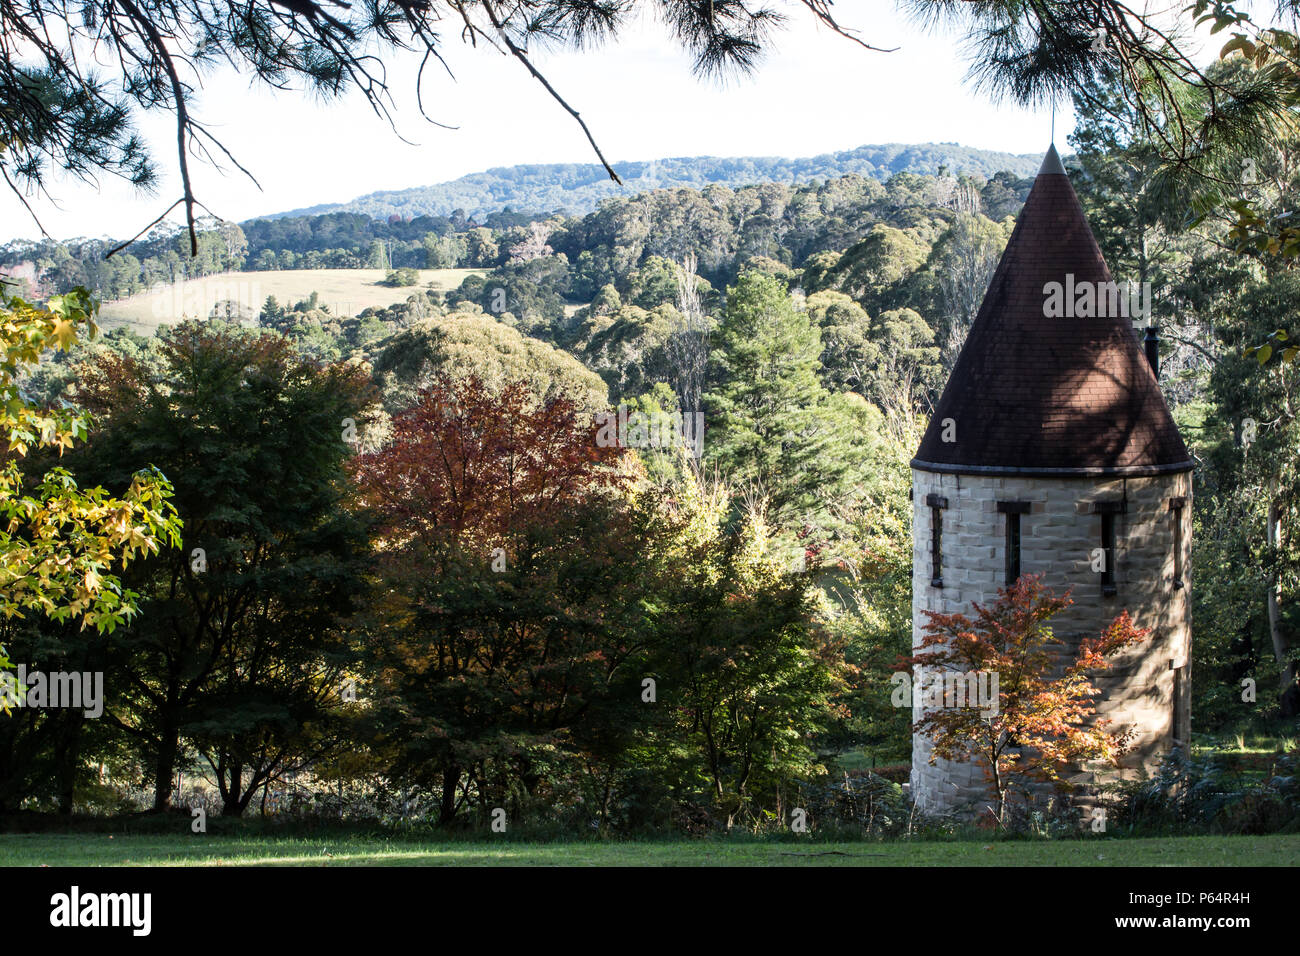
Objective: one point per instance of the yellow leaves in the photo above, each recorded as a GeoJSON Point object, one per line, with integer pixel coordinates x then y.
{"type": "Point", "coordinates": [1266, 350]}
{"type": "Point", "coordinates": [58, 542]}
{"type": "Point", "coordinates": [63, 333]}
{"type": "Point", "coordinates": [137, 540]}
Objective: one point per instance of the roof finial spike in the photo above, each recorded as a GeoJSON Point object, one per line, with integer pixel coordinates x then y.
{"type": "Point", "coordinates": [1051, 163]}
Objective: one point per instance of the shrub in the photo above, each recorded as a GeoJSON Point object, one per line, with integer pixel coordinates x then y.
{"type": "Point", "coordinates": [1209, 794]}
{"type": "Point", "coordinates": [401, 277]}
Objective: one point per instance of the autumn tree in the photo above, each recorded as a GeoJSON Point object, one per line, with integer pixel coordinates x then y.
{"type": "Point", "coordinates": [1042, 722]}
{"type": "Point", "coordinates": [61, 546]}
{"type": "Point", "coordinates": [505, 620]}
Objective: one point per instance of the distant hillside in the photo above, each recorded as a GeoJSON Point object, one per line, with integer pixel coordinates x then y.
{"type": "Point", "coordinates": [577, 189]}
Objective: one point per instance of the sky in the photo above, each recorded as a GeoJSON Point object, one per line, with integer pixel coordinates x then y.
{"type": "Point", "coordinates": [815, 93]}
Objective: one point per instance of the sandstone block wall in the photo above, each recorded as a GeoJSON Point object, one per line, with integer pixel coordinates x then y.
{"type": "Point", "coordinates": [1057, 539]}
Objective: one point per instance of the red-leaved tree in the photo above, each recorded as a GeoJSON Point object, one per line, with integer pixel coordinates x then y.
{"type": "Point", "coordinates": [468, 465]}
{"type": "Point", "coordinates": [505, 564]}
{"type": "Point", "coordinates": [1044, 719]}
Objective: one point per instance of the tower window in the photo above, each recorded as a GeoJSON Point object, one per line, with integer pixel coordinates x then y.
{"type": "Point", "coordinates": [1108, 510]}
{"type": "Point", "coordinates": [1176, 511]}
{"type": "Point", "coordinates": [936, 503]}
{"type": "Point", "coordinates": [1013, 510]}
{"type": "Point", "coordinates": [1179, 715]}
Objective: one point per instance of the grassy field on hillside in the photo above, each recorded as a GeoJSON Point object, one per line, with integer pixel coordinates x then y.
{"type": "Point", "coordinates": [345, 291]}
{"type": "Point", "coordinates": [201, 850]}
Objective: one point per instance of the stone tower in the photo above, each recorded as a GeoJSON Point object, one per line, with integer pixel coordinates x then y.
{"type": "Point", "coordinates": [1052, 439]}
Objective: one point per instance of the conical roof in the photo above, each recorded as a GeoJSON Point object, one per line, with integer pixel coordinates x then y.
{"type": "Point", "coordinates": [1044, 385]}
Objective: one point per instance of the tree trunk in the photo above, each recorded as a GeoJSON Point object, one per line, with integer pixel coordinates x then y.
{"type": "Point", "coordinates": [1287, 691]}
{"type": "Point", "coordinates": [232, 804]}
{"type": "Point", "coordinates": [604, 799]}
{"type": "Point", "coordinates": [447, 805]}
{"type": "Point", "coordinates": [164, 769]}
{"type": "Point", "coordinates": [1001, 790]}
{"type": "Point", "coordinates": [67, 757]}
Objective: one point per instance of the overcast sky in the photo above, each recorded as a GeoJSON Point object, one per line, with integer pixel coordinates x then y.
{"type": "Point", "coordinates": [816, 93]}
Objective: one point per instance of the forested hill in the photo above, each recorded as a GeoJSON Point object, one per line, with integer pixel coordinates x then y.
{"type": "Point", "coordinates": [578, 188]}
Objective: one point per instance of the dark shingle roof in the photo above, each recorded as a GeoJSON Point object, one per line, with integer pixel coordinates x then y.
{"type": "Point", "coordinates": [1031, 394]}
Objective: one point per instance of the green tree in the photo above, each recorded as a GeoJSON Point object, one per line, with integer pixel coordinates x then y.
{"type": "Point", "coordinates": [906, 373]}
{"type": "Point", "coordinates": [653, 284]}
{"type": "Point", "coordinates": [399, 278]}
{"type": "Point", "coordinates": [1255, 457]}
{"type": "Point", "coordinates": [961, 265]}
{"type": "Point", "coordinates": [751, 679]}
{"type": "Point", "coordinates": [871, 270]}
{"type": "Point", "coordinates": [244, 647]}
{"type": "Point", "coordinates": [629, 353]}
{"type": "Point", "coordinates": [773, 429]}
{"type": "Point", "coordinates": [846, 338]}
{"type": "Point", "coordinates": [482, 249]}
{"type": "Point", "coordinates": [464, 344]}
{"type": "Point", "coordinates": [444, 252]}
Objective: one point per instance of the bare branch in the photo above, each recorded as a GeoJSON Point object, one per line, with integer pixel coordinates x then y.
{"type": "Point", "coordinates": [182, 117]}
{"type": "Point", "coordinates": [821, 10]}
{"type": "Point", "coordinates": [522, 57]}
{"type": "Point", "coordinates": [122, 245]}
{"type": "Point", "coordinates": [23, 199]}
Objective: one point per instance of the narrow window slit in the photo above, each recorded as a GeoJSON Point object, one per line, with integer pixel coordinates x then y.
{"type": "Point", "coordinates": [1176, 510]}
{"type": "Point", "coordinates": [936, 503]}
{"type": "Point", "coordinates": [1108, 510]}
{"type": "Point", "coordinates": [1013, 510]}
{"type": "Point", "coordinates": [1179, 715]}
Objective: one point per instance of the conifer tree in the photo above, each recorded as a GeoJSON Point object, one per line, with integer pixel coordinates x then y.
{"type": "Point", "coordinates": [771, 426]}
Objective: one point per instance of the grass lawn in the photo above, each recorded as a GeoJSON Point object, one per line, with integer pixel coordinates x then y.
{"type": "Point", "coordinates": [201, 850]}
{"type": "Point", "coordinates": [345, 291]}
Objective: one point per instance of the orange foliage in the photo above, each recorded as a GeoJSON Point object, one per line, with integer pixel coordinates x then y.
{"type": "Point", "coordinates": [1045, 714]}
{"type": "Point", "coordinates": [468, 466]}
